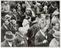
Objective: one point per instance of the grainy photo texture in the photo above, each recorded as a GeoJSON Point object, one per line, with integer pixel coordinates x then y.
{"type": "Point", "coordinates": [30, 24]}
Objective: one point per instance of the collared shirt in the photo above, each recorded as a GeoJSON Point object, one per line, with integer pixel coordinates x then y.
{"type": "Point", "coordinates": [10, 44]}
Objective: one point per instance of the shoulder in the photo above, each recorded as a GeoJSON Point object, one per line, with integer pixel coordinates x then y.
{"type": "Point", "coordinates": [52, 42]}
{"type": "Point", "coordinates": [3, 43]}
{"type": "Point", "coordinates": [38, 33]}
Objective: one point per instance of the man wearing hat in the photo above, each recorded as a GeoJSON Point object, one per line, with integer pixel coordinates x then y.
{"type": "Point", "coordinates": [5, 27]}
{"type": "Point", "coordinates": [42, 37]}
{"type": "Point", "coordinates": [9, 40]}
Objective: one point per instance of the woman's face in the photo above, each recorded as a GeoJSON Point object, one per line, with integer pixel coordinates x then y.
{"type": "Point", "coordinates": [57, 26]}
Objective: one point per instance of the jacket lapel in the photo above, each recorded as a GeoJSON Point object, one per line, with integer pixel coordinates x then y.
{"type": "Point", "coordinates": [6, 44]}
{"type": "Point", "coordinates": [43, 37]}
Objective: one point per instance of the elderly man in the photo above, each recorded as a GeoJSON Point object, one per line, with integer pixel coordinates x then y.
{"type": "Point", "coordinates": [42, 38]}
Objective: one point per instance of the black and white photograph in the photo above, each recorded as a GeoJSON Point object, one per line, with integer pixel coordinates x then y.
{"type": "Point", "coordinates": [30, 23]}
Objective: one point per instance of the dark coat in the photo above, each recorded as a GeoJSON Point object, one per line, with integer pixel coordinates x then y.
{"type": "Point", "coordinates": [31, 34]}
{"type": "Point", "coordinates": [40, 38]}
{"type": "Point", "coordinates": [18, 41]}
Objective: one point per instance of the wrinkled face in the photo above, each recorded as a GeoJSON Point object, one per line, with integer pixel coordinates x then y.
{"type": "Point", "coordinates": [42, 22]}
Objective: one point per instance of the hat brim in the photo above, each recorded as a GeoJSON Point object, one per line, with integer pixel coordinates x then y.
{"type": "Point", "coordinates": [55, 36]}
{"type": "Point", "coordinates": [10, 38]}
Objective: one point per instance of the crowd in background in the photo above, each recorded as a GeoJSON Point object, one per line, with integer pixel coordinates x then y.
{"type": "Point", "coordinates": [30, 24]}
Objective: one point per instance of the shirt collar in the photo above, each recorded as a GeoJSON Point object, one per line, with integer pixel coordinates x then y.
{"type": "Point", "coordinates": [43, 34]}
{"type": "Point", "coordinates": [10, 44]}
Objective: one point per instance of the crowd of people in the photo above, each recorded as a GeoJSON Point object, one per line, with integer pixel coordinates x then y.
{"type": "Point", "coordinates": [30, 24]}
